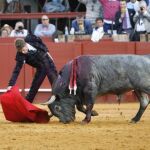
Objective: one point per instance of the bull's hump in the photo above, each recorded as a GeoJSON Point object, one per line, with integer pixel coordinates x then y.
{"type": "Point", "coordinates": [124, 62]}
{"type": "Point", "coordinates": [121, 58]}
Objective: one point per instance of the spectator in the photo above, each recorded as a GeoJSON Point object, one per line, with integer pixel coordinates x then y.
{"type": "Point", "coordinates": [147, 2]}
{"type": "Point", "coordinates": [110, 7]}
{"type": "Point", "coordinates": [123, 19]}
{"type": "Point", "coordinates": [133, 5]}
{"type": "Point", "coordinates": [45, 29]}
{"type": "Point", "coordinates": [56, 6]}
{"type": "Point", "coordinates": [2, 5]}
{"type": "Point", "coordinates": [4, 33]}
{"type": "Point", "coordinates": [14, 6]}
{"type": "Point", "coordinates": [19, 30]}
{"type": "Point", "coordinates": [93, 9]}
{"type": "Point", "coordinates": [148, 8]}
{"type": "Point", "coordinates": [142, 21]}
{"type": "Point", "coordinates": [81, 25]}
{"type": "Point", "coordinates": [8, 28]}
{"type": "Point", "coordinates": [98, 31]}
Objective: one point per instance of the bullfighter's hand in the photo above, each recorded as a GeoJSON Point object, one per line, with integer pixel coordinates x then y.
{"type": "Point", "coordinates": [9, 88]}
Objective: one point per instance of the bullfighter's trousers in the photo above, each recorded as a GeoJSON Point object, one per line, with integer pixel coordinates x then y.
{"type": "Point", "coordinates": [48, 69]}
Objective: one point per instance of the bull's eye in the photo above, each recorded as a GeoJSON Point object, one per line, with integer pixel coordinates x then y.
{"type": "Point", "coordinates": [57, 108]}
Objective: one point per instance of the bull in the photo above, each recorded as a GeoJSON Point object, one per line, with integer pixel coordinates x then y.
{"type": "Point", "coordinates": [99, 75]}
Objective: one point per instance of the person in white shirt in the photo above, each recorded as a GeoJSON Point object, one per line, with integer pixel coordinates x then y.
{"type": "Point", "coordinates": [19, 30]}
{"type": "Point", "coordinates": [45, 29]}
{"type": "Point", "coordinates": [133, 5]}
{"type": "Point", "coordinates": [98, 31]}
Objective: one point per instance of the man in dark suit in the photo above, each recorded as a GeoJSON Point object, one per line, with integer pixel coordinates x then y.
{"type": "Point", "coordinates": [34, 52]}
{"type": "Point", "coordinates": [124, 19]}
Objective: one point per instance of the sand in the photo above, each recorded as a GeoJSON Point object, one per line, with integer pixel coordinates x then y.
{"type": "Point", "coordinates": [110, 130]}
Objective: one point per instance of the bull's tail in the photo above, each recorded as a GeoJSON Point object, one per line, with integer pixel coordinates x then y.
{"type": "Point", "coordinates": [119, 98]}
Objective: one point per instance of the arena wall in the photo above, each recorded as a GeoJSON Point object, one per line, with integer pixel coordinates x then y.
{"type": "Point", "coordinates": [61, 53]}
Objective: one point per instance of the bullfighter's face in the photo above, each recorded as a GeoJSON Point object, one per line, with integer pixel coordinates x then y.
{"type": "Point", "coordinates": [25, 49]}
{"type": "Point", "coordinates": [64, 109]}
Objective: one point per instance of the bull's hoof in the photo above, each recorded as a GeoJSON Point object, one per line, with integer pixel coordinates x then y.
{"type": "Point", "coordinates": [134, 120]}
{"type": "Point", "coordinates": [94, 113]}
{"type": "Point", "coordinates": [65, 122]}
{"type": "Point", "coordinates": [85, 121]}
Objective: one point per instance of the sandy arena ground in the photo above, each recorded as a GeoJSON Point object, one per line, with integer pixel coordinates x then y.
{"type": "Point", "coordinates": [110, 130]}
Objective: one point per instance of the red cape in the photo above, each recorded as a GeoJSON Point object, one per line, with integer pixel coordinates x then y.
{"type": "Point", "coordinates": [17, 109]}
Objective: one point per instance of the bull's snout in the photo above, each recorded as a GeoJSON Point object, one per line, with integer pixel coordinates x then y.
{"type": "Point", "coordinates": [67, 121]}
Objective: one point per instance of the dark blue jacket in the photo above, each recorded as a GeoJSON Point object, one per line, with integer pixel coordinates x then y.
{"type": "Point", "coordinates": [118, 24]}
{"type": "Point", "coordinates": [87, 26]}
{"type": "Point", "coordinates": [147, 2]}
{"type": "Point", "coordinates": [33, 59]}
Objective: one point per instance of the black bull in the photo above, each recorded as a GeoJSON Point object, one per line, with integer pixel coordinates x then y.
{"type": "Point", "coordinates": [99, 75]}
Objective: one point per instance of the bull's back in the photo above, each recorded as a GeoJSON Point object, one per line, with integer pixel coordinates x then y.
{"type": "Point", "coordinates": [122, 64]}
{"type": "Point", "coordinates": [118, 73]}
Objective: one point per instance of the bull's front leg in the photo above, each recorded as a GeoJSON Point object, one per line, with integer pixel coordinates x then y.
{"type": "Point", "coordinates": [89, 106]}
{"type": "Point", "coordinates": [90, 92]}
{"type": "Point", "coordinates": [81, 108]}
{"type": "Point", "coordinates": [87, 118]}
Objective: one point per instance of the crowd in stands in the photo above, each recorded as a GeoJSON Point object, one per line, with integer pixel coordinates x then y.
{"type": "Point", "coordinates": [45, 29]}
{"type": "Point", "coordinates": [130, 17]}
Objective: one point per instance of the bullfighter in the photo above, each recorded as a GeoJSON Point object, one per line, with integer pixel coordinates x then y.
{"type": "Point", "coordinates": [33, 51]}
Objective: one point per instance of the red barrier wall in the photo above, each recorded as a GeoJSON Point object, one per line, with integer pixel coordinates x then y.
{"type": "Point", "coordinates": [61, 53]}
{"type": "Point", "coordinates": [7, 63]}
{"type": "Point", "coordinates": [142, 48]}
{"type": "Point", "coordinates": [108, 47]}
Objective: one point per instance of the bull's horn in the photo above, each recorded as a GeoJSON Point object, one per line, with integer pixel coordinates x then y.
{"type": "Point", "coordinates": [52, 99]}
